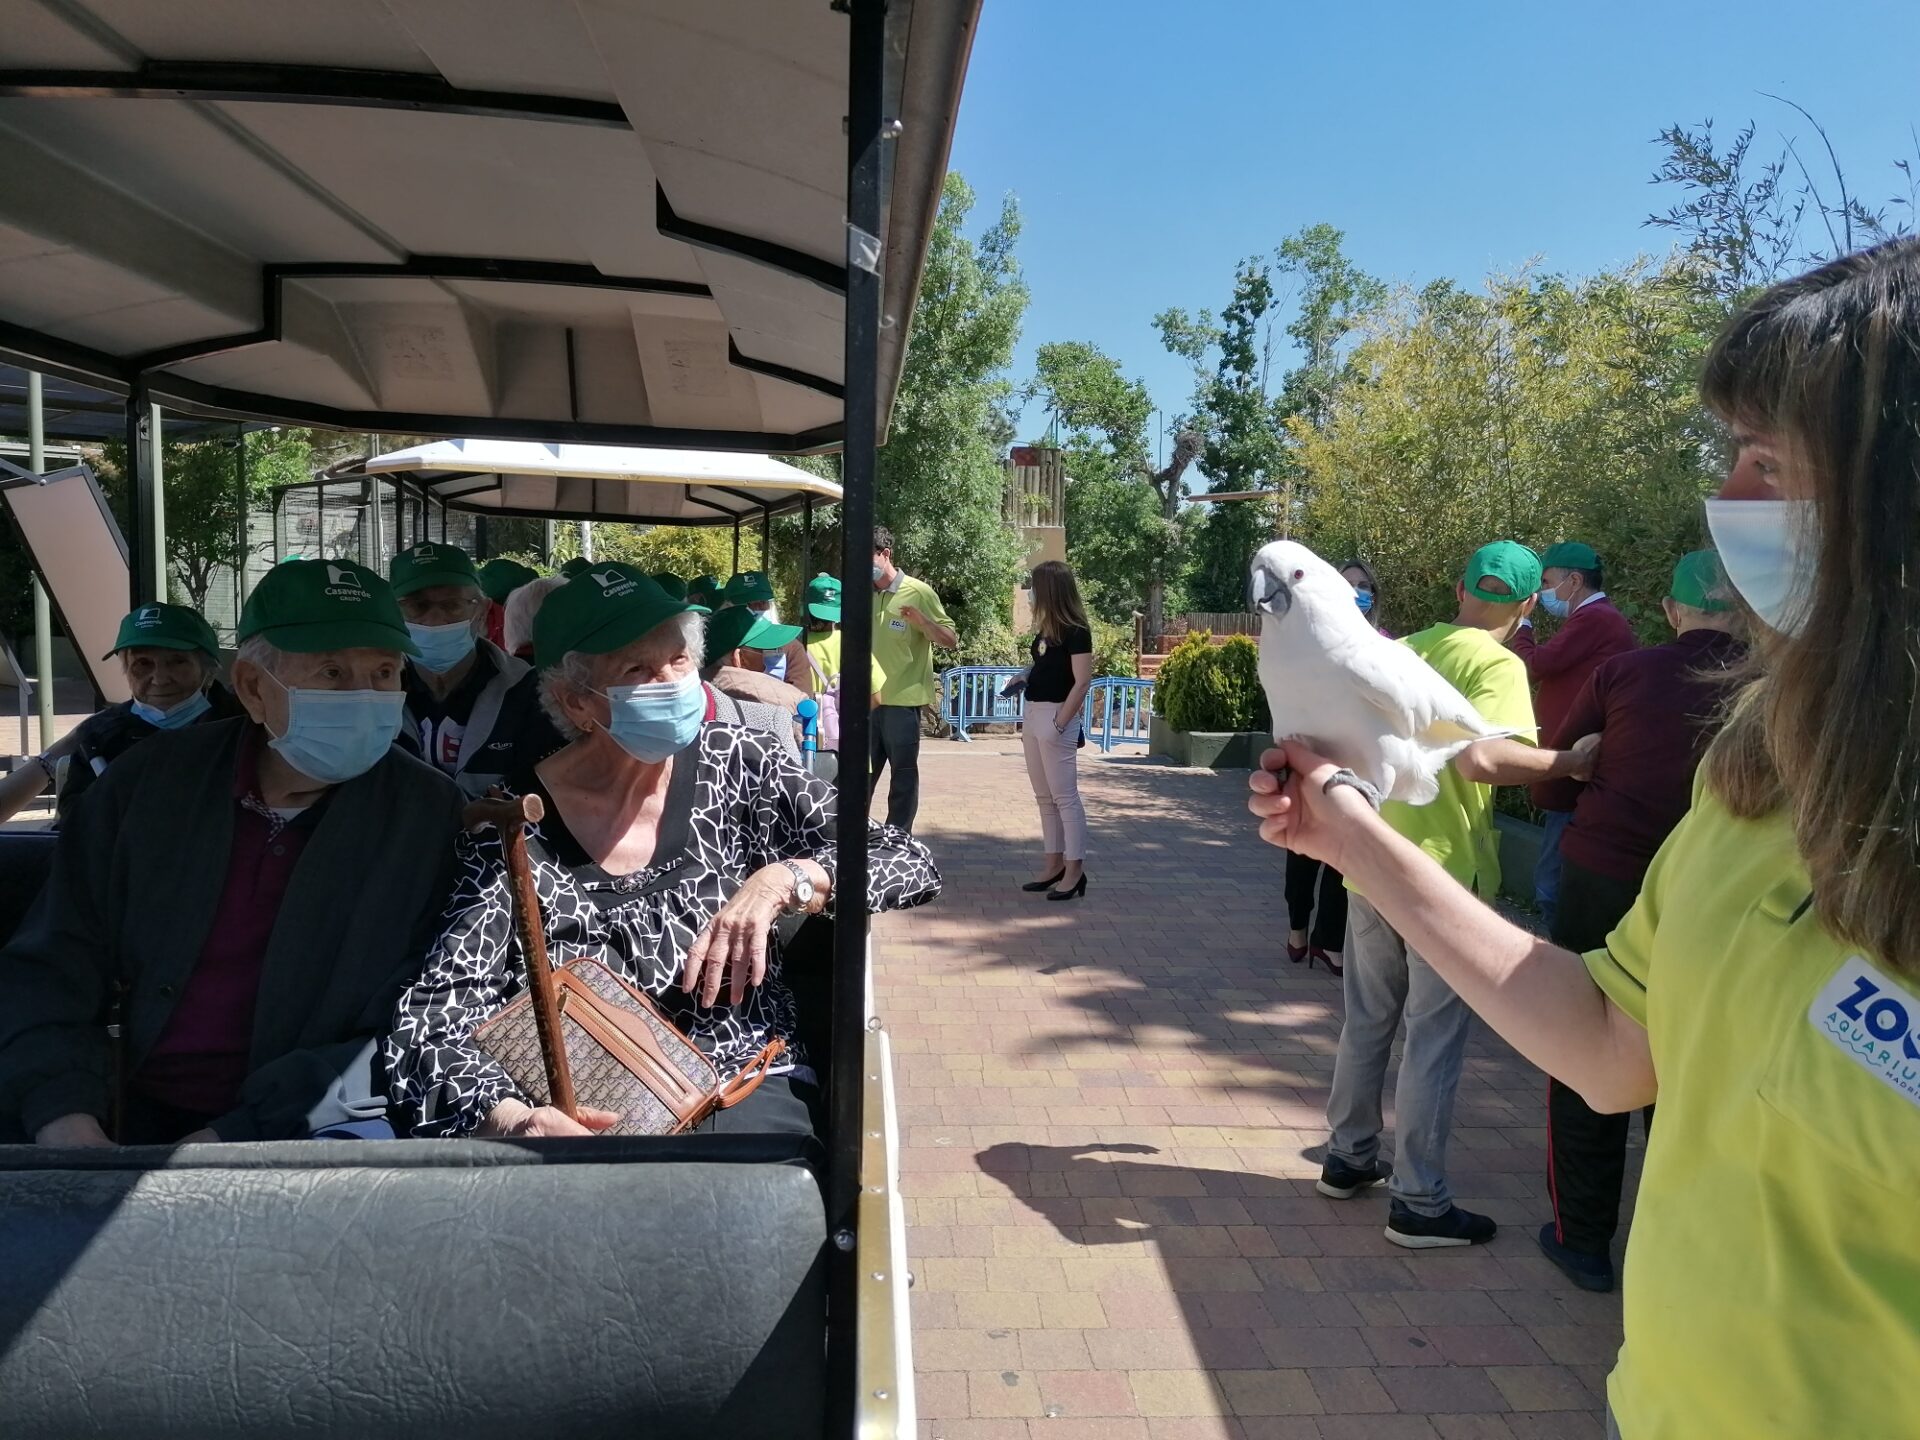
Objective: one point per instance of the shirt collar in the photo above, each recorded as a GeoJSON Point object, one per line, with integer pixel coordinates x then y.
{"type": "Point", "coordinates": [893, 587]}
{"type": "Point", "coordinates": [1596, 595]}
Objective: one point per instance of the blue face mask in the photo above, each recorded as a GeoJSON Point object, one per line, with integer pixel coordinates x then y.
{"type": "Point", "coordinates": [1551, 602]}
{"type": "Point", "coordinates": [652, 722]}
{"type": "Point", "coordinates": [1364, 599]}
{"type": "Point", "coordinates": [185, 713]}
{"type": "Point", "coordinates": [337, 735]}
{"type": "Point", "coordinates": [442, 646]}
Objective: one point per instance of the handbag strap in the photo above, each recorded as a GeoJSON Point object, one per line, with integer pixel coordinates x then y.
{"type": "Point", "coordinates": [748, 1080]}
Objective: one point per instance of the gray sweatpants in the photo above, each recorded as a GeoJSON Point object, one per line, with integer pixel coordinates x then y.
{"type": "Point", "coordinates": [1384, 981]}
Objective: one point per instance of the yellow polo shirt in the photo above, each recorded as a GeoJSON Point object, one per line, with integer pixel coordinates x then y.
{"type": "Point", "coordinates": [1456, 827]}
{"type": "Point", "coordinates": [904, 654]}
{"type": "Point", "coordinates": [1772, 1283]}
{"type": "Point", "coordinates": [825, 650]}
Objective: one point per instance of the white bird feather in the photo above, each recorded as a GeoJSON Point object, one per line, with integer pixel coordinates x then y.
{"type": "Point", "coordinates": [1338, 685]}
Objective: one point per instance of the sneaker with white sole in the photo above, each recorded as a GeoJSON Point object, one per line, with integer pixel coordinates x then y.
{"type": "Point", "coordinates": [1341, 1181]}
{"type": "Point", "coordinates": [1435, 1232]}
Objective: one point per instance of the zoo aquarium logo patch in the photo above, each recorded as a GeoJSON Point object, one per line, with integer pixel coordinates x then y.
{"type": "Point", "coordinates": [1875, 1020]}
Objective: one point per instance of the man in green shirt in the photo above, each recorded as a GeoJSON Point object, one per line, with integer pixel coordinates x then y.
{"type": "Point", "coordinates": [908, 623]}
{"type": "Point", "coordinates": [1385, 980]}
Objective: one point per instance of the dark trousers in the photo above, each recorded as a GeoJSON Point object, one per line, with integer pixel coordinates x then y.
{"type": "Point", "coordinates": [896, 742]}
{"type": "Point", "coordinates": [1309, 881]}
{"type": "Point", "coordinates": [1587, 1151]}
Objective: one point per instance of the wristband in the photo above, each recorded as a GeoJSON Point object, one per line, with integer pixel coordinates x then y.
{"type": "Point", "coordinates": [1347, 777]}
{"type": "Point", "coordinates": [47, 769]}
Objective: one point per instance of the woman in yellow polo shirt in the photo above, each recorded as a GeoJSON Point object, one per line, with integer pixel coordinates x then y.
{"type": "Point", "coordinates": [1767, 983]}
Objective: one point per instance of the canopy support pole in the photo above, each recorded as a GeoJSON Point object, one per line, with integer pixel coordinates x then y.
{"type": "Point", "coordinates": [866, 65]}
{"type": "Point", "coordinates": [42, 607]}
{"type": "Point", "coordinates": [766, 538]}
{"type": "Point", "coordinates": [736, 544]}
{"type": "Point", "coordinates": [146, 504]}
{"type": "Point", "coordinates": [245, 537]}
{"type": "Point", "coordinates": [806, 550]}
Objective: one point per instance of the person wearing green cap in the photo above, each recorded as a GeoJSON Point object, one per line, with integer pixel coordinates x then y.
{"type": "Point", "coordinates": [261, 889]}
{"type": "Point", "coordinates": [754, 591]}
{"type": "Point", "coordinates": [675, 587]}
{"type": "Point", "coordinates": [1384, 979]}
{"type": "Point", "coordinates": [821, 676]}
{"type": "Point", "coordinates": [499, 578]}
{"type": "Point", "coordinates": [706, 591]}
{"type": "Point", "coordinates": [575, 566]}
{"type": "Point", "coordinates": [172, 662]}
{"type": "Point", "coordinates": [750, 697]}
{"type": "Point", "coordinates": [1591, 631]}
{"type": "Point", "coordinates": [473, 710]}
{"type": "Point", "coordinates": [672, 843]}
{"type": "Point", "coordinates": [1656, 711]}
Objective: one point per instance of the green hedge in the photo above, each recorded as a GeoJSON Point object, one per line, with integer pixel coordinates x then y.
{"type": "Point", "coordinates": [996, 644]}
{"type": "Point", "coordinates": [1203, 686]}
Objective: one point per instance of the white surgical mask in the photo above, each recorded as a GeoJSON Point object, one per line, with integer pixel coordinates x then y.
{"type": "Point", "coordinates": [442, 646]}
{"type": "Point", "coordinates": [174, 716]}
{"type": "Point", "coordinates": [1769, 549]}
{"type": "Point", "coordinates": [337, 735]}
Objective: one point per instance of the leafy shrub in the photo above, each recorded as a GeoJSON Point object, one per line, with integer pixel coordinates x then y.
{"type": "Point", "coordinates": [993, 643]}
{"type": "Point", "coordinates": [1203, 686]}
{"type": "Point", "coordinates": [1113, 652]}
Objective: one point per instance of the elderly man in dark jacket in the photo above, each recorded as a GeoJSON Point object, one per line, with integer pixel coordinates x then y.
{"type": "Point", "coordinates": [246, 899]}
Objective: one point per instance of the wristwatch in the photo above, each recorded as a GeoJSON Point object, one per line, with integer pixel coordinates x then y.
{"type": "Point", "coordinates": [802, 887]}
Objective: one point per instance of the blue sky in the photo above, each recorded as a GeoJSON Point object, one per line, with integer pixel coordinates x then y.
{"type": "Point", "coordinates": [1152, 145]}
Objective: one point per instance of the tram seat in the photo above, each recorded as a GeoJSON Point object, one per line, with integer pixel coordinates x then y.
{"type": "Point", "coordinates": [25, 858]}
{"type": "Point", "coordinates": [414, 1288]}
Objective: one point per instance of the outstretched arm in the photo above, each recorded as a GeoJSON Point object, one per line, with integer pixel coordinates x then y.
{"type": "Point", "coordinates": [1538, 996]}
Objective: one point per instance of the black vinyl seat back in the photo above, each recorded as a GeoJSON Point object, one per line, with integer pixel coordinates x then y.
{"type": "Point", "coordinates": [25, 858]}
{"type": "Point", "coordinates": [414, 1289]}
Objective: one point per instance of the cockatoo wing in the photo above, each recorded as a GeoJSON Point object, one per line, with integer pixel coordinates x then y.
{"type": "Point", "coordinates": [1416, 699]}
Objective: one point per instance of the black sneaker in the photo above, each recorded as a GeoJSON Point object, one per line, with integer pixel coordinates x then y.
{"type": "Point", "coordinates": [1435, 1232]}
{"type": "Point", "coordinates": [1341, 1181]}
{"type": "Point", "coordinates": [1589, 1272]}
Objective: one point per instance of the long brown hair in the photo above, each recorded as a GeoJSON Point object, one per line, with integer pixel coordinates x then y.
{"type": "Point", "coordinates": [1056, 601]}
{"type": "Point", "coordinates": [1375, 616]}
{"type": "Point", "coordinates": [1828, 365]}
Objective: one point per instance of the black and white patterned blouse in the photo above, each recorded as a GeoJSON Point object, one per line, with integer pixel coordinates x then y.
{"type": "Point", "coordinates": [741, 804]}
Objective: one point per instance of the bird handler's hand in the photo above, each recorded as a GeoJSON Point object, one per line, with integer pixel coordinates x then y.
{"type": "Point", "coordinates": [1297, 809]}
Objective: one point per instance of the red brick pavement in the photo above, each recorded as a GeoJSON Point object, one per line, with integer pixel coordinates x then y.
{"type": "Point", "coordinates": [1112, 1113]}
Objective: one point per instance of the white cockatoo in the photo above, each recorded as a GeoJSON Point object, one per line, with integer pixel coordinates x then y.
{"type": "Point", "coordinates": [1336, 684]}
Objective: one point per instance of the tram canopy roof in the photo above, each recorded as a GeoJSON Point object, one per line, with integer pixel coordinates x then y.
{"type": "Point", "coordinates": [614, 221]}
{"type": "Point", "coordinates": [603, 482]}
{"type": "Point", "coordinates": [73, 411]}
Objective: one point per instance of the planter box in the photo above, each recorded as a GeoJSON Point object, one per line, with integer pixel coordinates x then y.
{"type": "Point", "coordinates": [1520, 847]}
{"type": "Point", "coordinates": [1207, 749]}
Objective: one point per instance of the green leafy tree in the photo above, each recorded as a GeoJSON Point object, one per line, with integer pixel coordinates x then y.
{"type": "Point", "coordinates": [1127, 535]}
{"type": "Point", "coordinates": [683, 550]}
{"type": "Point", "coordinates": [940, 484]}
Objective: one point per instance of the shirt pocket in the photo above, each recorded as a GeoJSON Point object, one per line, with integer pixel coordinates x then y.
{"type": "Point", "coordinates": [1846, 1074]}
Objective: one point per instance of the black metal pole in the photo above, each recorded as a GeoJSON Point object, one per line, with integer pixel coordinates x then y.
{"type": "Point", "coordinates": [143, 579]}
{"type": "Point", "coordinates": [866, 62]}
{"type": "Point", "coordinates": [240, 563]}
{"type": "Point", "coordinates": [766, 539]}
{"type": "Point", "coordinates": [736, 545]}
{"type": "Point", "coordinates": [806, 551]}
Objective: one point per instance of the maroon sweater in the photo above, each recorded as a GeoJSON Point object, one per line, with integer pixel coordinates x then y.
{"type": "Point", "coordinates": [1656, 711]}
{"type": "Point", "coordinates": [1560, 669]}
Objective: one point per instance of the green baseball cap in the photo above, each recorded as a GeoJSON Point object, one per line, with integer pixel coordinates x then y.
{"type": "Point", "coordinates": [1509, 562]}
{"type": "Point", "coordinates": [738, 628]}
{"type": "Point", "coordinates": [1570, 555]}
{"type": "Point", "coordinates": [823, 598]}
{"type": "Point", "coordinates": [672, 584]}
{"type": "Point", "coordinates": [306, 606]}
{"type": "Point", "coordinates": [1700, 583]}
{"type": "Point", "coordinates": [601, 609]}
{"type": "Point", "coordinates": [749, 587]}
{"type": "Point", "coordinates": [165, 627]}
{"type": "Point", "coordinates": [419, 566]}
{"type": "Point", "coordinates": [574, 566]}
{"type": "Point", "coordinates": [500, 578]}
{"type": "Point", "coordinates": [704, 590]}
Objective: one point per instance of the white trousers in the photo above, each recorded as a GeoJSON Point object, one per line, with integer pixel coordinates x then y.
{"type": "Point", "coordinates": [1053, 765]}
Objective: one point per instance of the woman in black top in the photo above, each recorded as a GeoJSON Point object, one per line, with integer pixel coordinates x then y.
{"type": "Point", "coordinates": [1057, 682]}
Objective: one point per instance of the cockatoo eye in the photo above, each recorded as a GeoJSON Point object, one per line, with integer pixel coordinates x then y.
{"type": "Point", "coordinates": [1299, 574]}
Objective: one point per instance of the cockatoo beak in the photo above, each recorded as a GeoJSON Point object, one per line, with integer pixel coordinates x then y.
{"type": "Point", "coordinates": [1270, 593]}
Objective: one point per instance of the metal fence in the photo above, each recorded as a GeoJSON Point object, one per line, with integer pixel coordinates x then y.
{"type": "Point", "coordinates": [1117, 711]}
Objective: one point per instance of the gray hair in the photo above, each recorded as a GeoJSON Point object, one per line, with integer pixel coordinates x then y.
{"type": "Point", "coordinates": [574, 673]}
{"type": "Point", "coordinates": [516, 621]}
{"type": "Point", "coordinates": [258, 650]}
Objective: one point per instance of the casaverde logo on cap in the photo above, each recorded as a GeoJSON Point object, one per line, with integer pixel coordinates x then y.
{"type": "Point", "coordinates": [148, 617]}
{"type": "Point", "coordinates": [423, 552]}
{"type": "Point", "coordinates": [345, 584]}
{"type": "Point", "coordinates": [612, 583]}
{"type": "Point", "coordinates": [1875, 1021]}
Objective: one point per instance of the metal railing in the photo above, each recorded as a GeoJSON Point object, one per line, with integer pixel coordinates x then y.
{"type": "Point", "coordinates": [1116, 711]}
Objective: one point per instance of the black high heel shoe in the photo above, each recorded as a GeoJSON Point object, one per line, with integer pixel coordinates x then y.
{"type": "Point", "coordinates": [1047, 884]}
{"type": "Point", "coordinates": [1079, 889]}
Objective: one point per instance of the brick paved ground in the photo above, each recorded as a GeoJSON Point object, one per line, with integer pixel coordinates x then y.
{"type": "Point", "coordinates": [1112, 1115]}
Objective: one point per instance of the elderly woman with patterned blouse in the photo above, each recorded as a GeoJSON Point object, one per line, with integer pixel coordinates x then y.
{"type": "Point", "coordinates": [671, 845]}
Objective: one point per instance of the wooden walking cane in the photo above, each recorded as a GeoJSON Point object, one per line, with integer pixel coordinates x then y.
{"type": "Point", "coordinates": [512, 817]}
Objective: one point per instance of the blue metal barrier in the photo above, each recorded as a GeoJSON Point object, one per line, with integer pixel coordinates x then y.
{"type": "Point", "coordinates": [970, 695]}
{"type": "Point", "coordinates": [1118, 712]}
